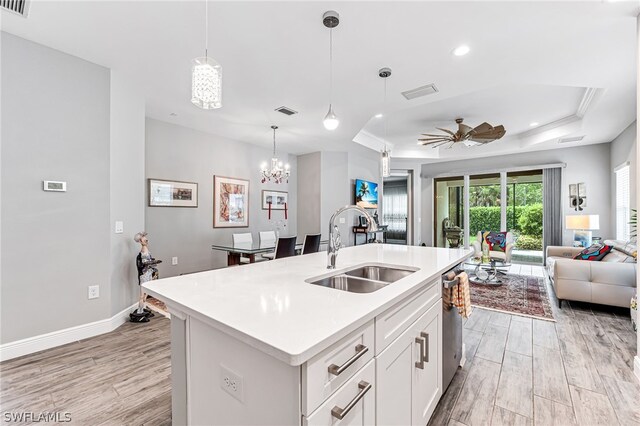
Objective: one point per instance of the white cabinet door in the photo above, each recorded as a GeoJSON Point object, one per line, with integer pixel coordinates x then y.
{"type": "Point", "coordinates": [427, 376]}
{"type": "Point", "coordinates": [394, 371]}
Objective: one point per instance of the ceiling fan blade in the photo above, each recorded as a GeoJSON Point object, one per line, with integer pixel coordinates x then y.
{"type": "Point", "coordinates": [446, 131]}
{"type": "Point", "coordinates": [464, 129]}
{"type": "Point", "coordinates": [492, 135]}
{"type": "Point", "coordinates": [484, 127]}
{"type": "Point", "coordinates": [432, 134]}
{"type": "Point", "coordinates": [432, 141]}
{"type": "Point", "coordinates": [440, 144]}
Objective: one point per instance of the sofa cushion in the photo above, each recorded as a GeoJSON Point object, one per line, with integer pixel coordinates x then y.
{"type": "Point", "coordinates": [628, 248]}
{"type": "Point", "coordinates": [497, 241]}
{"type": "Point", "coordinates": [594, 253]}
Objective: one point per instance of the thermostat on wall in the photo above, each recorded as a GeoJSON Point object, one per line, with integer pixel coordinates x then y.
{"type": "Point", "coordinates": [52, 185]}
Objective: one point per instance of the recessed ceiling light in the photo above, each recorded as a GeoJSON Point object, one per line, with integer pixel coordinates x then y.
{"type": "Point", "coordinates": [378, 115]}
{"type": "Point", "coordinates": [461, 50]}
{"type": "Point", "coordinates": [534, 124]}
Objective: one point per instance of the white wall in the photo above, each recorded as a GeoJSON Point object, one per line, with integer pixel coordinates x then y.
{"type": "Point", "coordinates": [55, 126]}
{"type": "Point", "coordinates": [179, 153]}
{"type": "Point", "coordinates": [589, 164]}
{"type": "Point", "coordinates": [126, 188]}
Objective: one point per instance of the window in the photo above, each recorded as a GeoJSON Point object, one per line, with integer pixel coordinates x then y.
{"type": "Point", "coordinates": [623, 210]}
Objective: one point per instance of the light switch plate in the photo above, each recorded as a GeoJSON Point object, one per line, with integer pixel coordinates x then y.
{"type": "Point", "coordinates": [119, 227]}
{"type": "Point", "coordinates": [174, 260]}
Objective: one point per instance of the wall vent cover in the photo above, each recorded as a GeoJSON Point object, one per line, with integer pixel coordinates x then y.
{"type": "Point", "coordinates": [429, 89]}
{"type": "Point", "coordinates": [571, 139]}
{"type": "Point", "coordinates": [21, 7]}
{"type": "Point", "coordinates": [285, 110]}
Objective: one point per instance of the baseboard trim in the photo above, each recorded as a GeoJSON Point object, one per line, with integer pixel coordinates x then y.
{"type": "Point", "coordinates": [636, 366]}
{"type": "Point", "coordinates": [62, 337]}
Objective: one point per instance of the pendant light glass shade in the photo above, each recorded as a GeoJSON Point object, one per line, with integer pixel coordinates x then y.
{"type": "Point", "coordinates": [206, 83]}
{"type": "Point", "coordinates": [386, 164]}
{"type": "Point", "coordinates": [331, 121]}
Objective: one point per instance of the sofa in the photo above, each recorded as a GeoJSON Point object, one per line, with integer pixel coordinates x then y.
{"type": "Point", "coordinates": [610, 281]}
{"type": "Point", "coordinates": [499, 255]}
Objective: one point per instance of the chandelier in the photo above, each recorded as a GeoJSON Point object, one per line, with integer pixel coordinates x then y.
{"type": "Point", "coordinates": [206, 76]}
{"type": "Point", "coordinates": [278, 172]}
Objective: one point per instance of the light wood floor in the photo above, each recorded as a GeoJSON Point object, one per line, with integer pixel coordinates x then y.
{"type": "Point", "coordinates": [519, 371]}
{"type": "Point", "coordinates": [118, 378]}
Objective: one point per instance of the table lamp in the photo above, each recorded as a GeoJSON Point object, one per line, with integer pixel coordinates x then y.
{"type": "Point", "coordinates": [582, 225]}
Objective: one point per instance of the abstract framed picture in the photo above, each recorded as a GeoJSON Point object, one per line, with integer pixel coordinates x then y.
{"type": "Point", "coordinates": [172, 193]}
{"type": "Point", "coordinates": [230, 202]}
{"type": "Point", "coordinates": [277, 199]}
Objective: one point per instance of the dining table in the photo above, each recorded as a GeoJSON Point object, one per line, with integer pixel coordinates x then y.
{"type": "Point", "coordinates": [250, 250]}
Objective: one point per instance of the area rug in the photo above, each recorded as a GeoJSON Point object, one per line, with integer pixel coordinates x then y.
{"type": "Point", "coordinates": [157, 306]}
{"type": "Point", "coordinates": [519, 294]}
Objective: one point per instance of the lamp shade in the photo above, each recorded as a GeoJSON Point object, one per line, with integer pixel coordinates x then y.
{"type": "Point", "coordinates": [585, 222]}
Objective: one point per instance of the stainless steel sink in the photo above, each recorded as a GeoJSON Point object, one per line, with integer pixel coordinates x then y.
{"type": "Point", "coordinates": [380, 273]}
{"type": "Point", "coordinates": [363, 279]}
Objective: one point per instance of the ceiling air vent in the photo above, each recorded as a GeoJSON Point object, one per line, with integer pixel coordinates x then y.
{"type": "Point", "coordinates": [571, 139]}
{"type": "Point", "coordinates": [21, 7]}
{"type": "Point", "coordinates": [286, 111]}
{"type": "Point", "coordinates": [429, 89]}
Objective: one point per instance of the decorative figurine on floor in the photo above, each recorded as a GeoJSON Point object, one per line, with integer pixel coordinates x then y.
{"type": "Point", "coordinates": [147, 271]}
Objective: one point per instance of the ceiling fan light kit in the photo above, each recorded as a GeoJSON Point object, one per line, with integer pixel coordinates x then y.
{"type": "Point", "coordinates": [331, 19]}
{"type": "Point", "coordinates": [479, 135]}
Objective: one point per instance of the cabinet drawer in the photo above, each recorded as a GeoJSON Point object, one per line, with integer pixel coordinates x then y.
{"type": "Point", "coordinates": [327, 371]}
{"type": "Point", "coordinates": [355, 400]}
{"type": "Point", "coordinates": [393, 322]}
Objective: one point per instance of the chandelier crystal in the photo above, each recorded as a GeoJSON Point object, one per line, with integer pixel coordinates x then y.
{"type": "Point", "coordinates": [278, 172]}
{"type": "Point", "coordinates": [206, 75]}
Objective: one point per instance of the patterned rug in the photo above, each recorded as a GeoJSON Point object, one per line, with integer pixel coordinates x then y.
{"type": "Point", "coordinates": [519, 294]}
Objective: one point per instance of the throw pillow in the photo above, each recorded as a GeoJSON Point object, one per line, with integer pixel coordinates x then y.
{"type": "Point", "coordinates": [594, 253]}
{"type": "Point", "coordinates": [497, 241]}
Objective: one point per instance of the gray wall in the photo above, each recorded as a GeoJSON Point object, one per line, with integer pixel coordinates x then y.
{"type": "Point", "coordinates": [336, 192]}
{"type": "Point", "coordinates": [589, 164]}
{"type": "Point", "coordinates": [624, 148]}
{"type": "Point", "coordinates": [183, 154]}
{"type": "Point", "coordinates": [126, 188]}
{"type": "Point", "coordinates": [309, 179]}
{"type": "Point", "coordinates": [55, 126]}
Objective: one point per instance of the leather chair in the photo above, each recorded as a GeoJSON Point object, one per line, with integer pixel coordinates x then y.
{"type": "Point", "coordinates": [311, 243]}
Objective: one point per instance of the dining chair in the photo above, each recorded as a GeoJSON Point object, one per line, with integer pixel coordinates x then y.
{"type": "Point", "coordinates": [285, 247]}
{"type": "Point", "coordinates": [311, 243]}
{"type": "Point", "coordinates": [268, 239]}
{"type": "Point", "coordinates": [242, 240]}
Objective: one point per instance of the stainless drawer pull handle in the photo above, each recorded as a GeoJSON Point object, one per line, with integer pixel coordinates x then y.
{"type": "Point", "coordinates": [420, 362]}
{"type": "Point", "coordinates": [336, 370]}
{"type": "Point", "coordinates": [425, 358]}
{"type": "Point", "coordinates": [340, 413]}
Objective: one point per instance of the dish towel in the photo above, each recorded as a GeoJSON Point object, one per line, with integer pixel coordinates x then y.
{"type": "Point", "coordinates": [462, 296]}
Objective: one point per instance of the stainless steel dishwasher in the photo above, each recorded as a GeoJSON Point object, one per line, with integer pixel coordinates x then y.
{"type": "Point", "coordinates": [451, 330]}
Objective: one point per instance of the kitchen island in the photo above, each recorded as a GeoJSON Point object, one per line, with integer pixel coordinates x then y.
{"type": "Point", "coordinates": [260, 344]}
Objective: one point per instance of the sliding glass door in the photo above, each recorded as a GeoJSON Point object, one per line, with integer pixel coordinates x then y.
{"type": "Point", "coordinates": [448, 211]}
{"type": "Point", "coordinates": [524, 215]}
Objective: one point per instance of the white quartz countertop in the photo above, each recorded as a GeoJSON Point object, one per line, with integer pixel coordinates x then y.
{"type": "Point", "coordinates": [269, 306]}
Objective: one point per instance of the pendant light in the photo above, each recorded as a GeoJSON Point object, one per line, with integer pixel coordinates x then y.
{"type": "Point", "coordinates": [278, 172]}
{"type": "Point", "coordinates": [331, 19]}
{"type": "Point", "coordinates": [386, 157]}
{"type": "Point", "coordinates": [206, 75]}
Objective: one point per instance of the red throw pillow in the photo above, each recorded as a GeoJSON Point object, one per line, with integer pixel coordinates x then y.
{"type": "Point", "coordinates": [594, 253]}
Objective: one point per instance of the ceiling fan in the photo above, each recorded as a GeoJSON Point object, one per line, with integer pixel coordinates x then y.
{"type": "Point", "coordinates": [480, 135]}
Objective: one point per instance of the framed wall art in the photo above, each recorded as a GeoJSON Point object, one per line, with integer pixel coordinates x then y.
{"type": "Point", "coordinates": [277, 199]}
{"type": "Point", "coordinates": [172, 193]}
{"type": "Point", "coordinates": [230, 202]}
